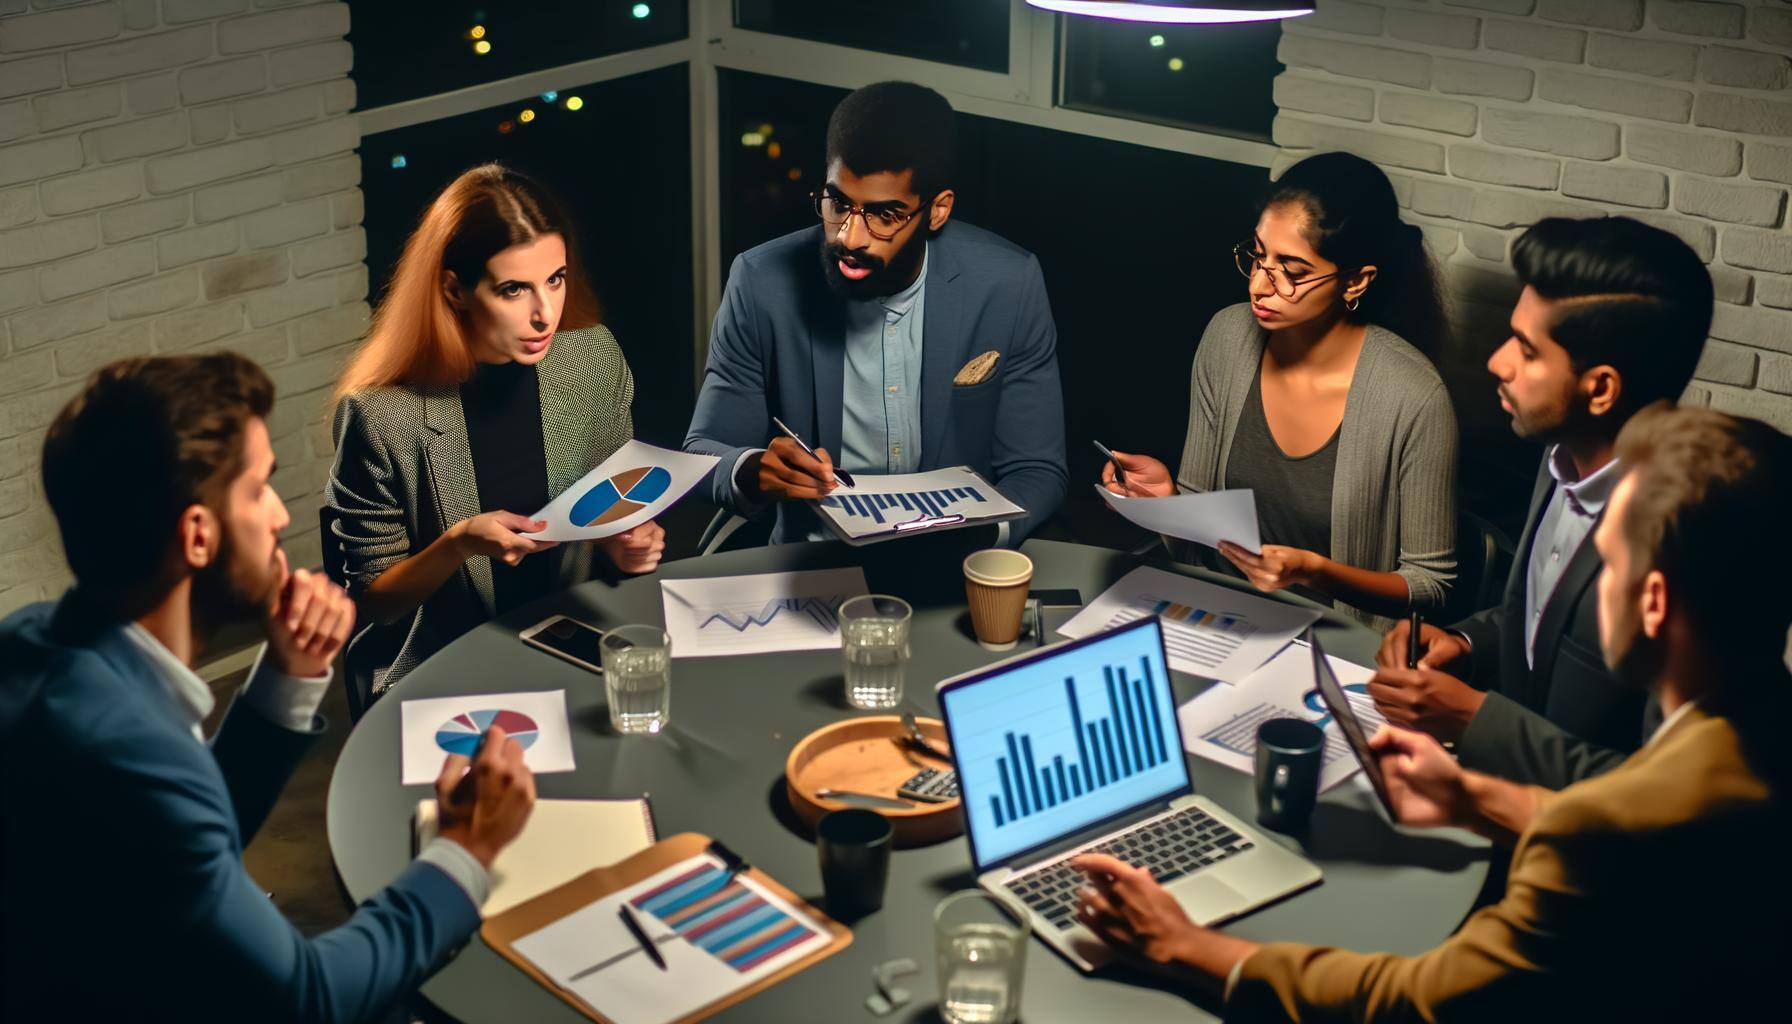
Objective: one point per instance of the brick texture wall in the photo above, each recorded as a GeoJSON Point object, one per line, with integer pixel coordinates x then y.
{"type": "Point", "coordinates": [1491, 114]}
{"type": "Point", "coordinates": [174, 176]}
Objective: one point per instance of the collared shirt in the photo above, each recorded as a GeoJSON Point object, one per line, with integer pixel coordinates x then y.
{"type": "Point", "coordinates": [290, 702]}
{"type": "Point", "coordinates": [1564, 526]}
{"type": "Point", "coordinates": [1668, 722]}
{"type": "Point", "coordinates": [881, 421]}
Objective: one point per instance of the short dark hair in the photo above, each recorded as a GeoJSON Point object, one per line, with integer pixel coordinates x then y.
{"type": "Point", "coordinates": [897, 126]}
{"type": "Point", "coordinates": [1634, 297]}
{"type": "Point", "coordinates": [1701, 480]}
{"type": "Point", "coordinates": [144, 440]}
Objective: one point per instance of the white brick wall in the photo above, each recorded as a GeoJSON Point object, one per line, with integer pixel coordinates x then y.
{"type": "Point", "coordinates": [173, 177]}
{"type": "Point", "coordinates": [1490, 114]}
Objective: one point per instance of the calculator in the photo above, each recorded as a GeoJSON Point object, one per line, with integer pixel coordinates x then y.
{"type": "Point", "coordinates": [931, 785]}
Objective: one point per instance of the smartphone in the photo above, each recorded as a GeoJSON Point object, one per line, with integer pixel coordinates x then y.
{"type": "Point", "coordinates": [568, 639]}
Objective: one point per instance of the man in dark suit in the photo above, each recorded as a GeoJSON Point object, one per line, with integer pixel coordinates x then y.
{"type": "Point", "coordinates": [122, 876]}
{"type": "Point", "coordinates": [1612, 318]}
{"type": "Point", "coordinates": [917, 344]}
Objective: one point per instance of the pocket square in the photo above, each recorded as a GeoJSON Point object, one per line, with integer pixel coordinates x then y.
{"type": "Point", "coordinates": [977, 370]}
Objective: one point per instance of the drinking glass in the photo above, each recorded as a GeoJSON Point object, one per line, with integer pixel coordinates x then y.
{"type": "Point", "coordinates": [980, 942]}
{"type": "Point", "coordinates": [874, 636]}
{"type": "Point", "coordinates": [638, 678]}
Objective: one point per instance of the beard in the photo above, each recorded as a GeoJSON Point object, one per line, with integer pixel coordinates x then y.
{"type": "Point", "coordinates": [887, 277]}
{"type": "Point", "coordinates": [1635, 660]}
{"type": "Point", "coordinates": [225, 592]}
{"type": "Point", "coordinates": [1546, 425]}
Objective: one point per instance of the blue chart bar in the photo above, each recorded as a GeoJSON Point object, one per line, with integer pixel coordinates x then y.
{"type": "Point", "coordinates": [1128, 741]}
{"type": "Point", "coordinates": [872, 506]}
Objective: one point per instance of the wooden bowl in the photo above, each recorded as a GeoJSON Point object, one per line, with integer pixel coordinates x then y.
{"type": "Point", "coordinates": [871, 755]}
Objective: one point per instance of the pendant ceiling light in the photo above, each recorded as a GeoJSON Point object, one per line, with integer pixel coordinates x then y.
{"type": "Point", "coordinates": [1181, 12]}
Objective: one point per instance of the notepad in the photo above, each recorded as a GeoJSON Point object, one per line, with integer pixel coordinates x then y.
{"type": "Point", "coordinates": [563, 840]}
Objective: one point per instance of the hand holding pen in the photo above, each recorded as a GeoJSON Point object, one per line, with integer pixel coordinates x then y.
{"type": "Point", "coordinates": [790, 470]}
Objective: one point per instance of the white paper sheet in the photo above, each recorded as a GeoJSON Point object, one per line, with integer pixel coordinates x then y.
{"type": "Point", "coordinates": [591, 954]}
{"type": "Point", "coordinates": [1221, 724]}
{"type": "Point", "coordinates": [1209, 630]}
{"type": "Point", "coordinates": [431, 729]}
{"type": "Point", "coordinates": [1205, 517]}
{"type": "Point", "coordinates": [625, 490]}
{"type": "Point", "coordinates": [562, 840]}
{"type": "Point", "coordinates": [875, 504]}
{"type": "Point", "coordinates": [773, 611]}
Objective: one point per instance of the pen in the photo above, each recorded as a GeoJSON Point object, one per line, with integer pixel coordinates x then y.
{"type": "Point", "coordinates": [634, 928]}
{"type": "Point", "coordinates": [926, 521]}
{"type": "Point", "coordinates": [839, 474]}
{"type": "Point", "coordinates": [1119, 471]}
{"type": "Point", "coordinates": [1413, 648]}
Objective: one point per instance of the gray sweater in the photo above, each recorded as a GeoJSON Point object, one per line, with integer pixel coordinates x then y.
{"type": "Point", "coordinates": [1394, 495]}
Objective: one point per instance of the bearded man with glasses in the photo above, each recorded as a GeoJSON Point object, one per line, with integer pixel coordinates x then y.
{"type": "Point", "coordinates": [921, 344]}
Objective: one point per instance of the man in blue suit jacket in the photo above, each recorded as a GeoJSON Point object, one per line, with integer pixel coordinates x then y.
{"type": "Point", "coordinates": [914, 346]}
{"type": "Point", "coordinates": [123, 882]}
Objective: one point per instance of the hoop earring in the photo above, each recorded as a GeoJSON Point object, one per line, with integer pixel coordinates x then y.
{"type": "Point", "coordinates": [1351, 304]}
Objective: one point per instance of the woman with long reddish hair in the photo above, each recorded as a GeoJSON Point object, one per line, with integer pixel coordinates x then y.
{"type": "Point", "coordinates": [486, 387]}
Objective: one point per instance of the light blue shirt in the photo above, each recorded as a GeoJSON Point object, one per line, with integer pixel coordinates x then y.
{"type": "Point", "coordinates": [881, 421]}
{"type": "Point", "coordinates": [1561, 531]}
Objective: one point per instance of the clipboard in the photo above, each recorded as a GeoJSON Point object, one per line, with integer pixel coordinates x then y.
{"type": "Point", "coordinates": [918, 507]}
{"type": "Point", "coordinates": [501, 931]}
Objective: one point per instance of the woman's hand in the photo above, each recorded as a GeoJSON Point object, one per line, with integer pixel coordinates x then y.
{"type": "Point", "coordinates": [638, 550]}
{"type": "Point", "coordinates": [1145, 477]}
{"type": "Point", "coordinates": [498, 536]}
{"type": "Point", "coordinates": [1276, 567]}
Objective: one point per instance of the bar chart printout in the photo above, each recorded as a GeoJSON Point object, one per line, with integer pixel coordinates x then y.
{"type": "Point", "coordinates": [877, 504]}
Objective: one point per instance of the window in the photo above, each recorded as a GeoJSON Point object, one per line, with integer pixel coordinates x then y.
{"type": "Point", "coordinates": [407, 50]}
{"type": "Point", "coordinates": [970, 33]}
{"type": "Point", "coordinates": [617, 154]}
{"type": "Point", "coordinates": [1212, 78]}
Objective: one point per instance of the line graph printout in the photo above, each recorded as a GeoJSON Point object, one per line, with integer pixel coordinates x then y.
{"type": "Point", "coordinates": [1221, 724]}
{"type": "Point", "coordinates": [1209, 630]}
{"type": "Point", "coordinates": [872, 508]}
{"type": "Point", "coordinates": [774, 611]}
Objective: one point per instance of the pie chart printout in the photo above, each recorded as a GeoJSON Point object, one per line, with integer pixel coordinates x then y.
{"type": "Point", "coordinates": [460, 734]}
{"type": "Point", "coordinates": [622, 495]}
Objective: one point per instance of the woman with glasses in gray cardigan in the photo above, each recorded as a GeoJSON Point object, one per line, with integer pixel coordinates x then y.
{"type": "Point", "coordinates": [1314, 396]}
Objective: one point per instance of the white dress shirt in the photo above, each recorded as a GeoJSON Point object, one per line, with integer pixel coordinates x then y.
{"type": "Point", "coordinates": [1567, 519]}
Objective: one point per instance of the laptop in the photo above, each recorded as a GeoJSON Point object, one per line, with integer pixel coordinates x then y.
{"type": "Point", "coordinates": [1075, 748]}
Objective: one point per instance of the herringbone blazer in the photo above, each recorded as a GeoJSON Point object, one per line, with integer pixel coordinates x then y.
{"type": "Point", "coordinates": [404, 474]}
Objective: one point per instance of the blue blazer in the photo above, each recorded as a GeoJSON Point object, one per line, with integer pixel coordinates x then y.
{"type": "Point", "coordinates": [778, 346]}
{"type": "Point", "coordinates": [124, 890]}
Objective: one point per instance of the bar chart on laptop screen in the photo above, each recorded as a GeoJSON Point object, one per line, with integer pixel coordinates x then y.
{"type": "Point", "coordinates": [1065, 740]}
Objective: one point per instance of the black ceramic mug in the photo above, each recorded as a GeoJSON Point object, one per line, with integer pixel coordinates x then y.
{"type": "Point", "coordinates": [854, 846]}
{"type": "Point", "coordinates": [1289, 754]}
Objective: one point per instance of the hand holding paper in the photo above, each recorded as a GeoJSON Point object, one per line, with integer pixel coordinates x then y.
{"type": "Point", "coordinates": [1205, 517]}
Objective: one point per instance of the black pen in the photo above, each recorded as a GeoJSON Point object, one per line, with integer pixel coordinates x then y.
{"type": "Point", "coordinates": [1413, 647]}
{"type": "Point", "coordinates": [1119, 470]}
{"type": "Point", "coordinates": [634, 927]}
{"type": "Point", "coordinates": [839, 474]}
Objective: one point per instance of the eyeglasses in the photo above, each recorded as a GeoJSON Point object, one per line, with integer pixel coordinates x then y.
{"type": "Point", "coordinates": [1284, 283]}
{"type": "Point", "coordinates": [882, 224]}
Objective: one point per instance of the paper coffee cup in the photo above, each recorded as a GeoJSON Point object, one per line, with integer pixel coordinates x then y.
{"type": "Point", "coordinates": [995, 586]}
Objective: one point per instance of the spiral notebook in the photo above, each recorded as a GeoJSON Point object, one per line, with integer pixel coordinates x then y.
{"type": "Point", "coordinates": [563, 840]}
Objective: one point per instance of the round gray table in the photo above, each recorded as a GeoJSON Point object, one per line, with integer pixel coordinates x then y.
{"type": "Point", "coordinates": [718, 769]}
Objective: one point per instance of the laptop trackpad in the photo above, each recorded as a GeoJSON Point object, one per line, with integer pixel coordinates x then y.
{"type": "Point", "coordinates": [1208, 899]}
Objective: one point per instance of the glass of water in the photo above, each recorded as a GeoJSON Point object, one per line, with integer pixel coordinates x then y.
{"type": "Point", "coordinates": [874, 635]}
{"type": "Point", "coordinates": [980, 942]}
{"type": "Point", "coordinates": [638, 678]}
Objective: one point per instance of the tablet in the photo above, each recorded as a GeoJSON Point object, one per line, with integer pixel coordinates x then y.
{"type": "Point", "coordinates": [1338, 703]}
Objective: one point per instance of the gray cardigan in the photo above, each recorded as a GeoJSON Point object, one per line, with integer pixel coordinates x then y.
{"type": "Point", "coordinates": [1394, 492]}
{"type": "Point", "coordinates": [404, 475]}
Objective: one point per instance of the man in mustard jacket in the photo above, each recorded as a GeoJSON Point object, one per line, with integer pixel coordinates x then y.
{"type": "Point", "coordinates": [1654, 891]}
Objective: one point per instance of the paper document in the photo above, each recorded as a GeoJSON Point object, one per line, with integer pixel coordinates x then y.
{"type": "Point", "coordinates": [773, 611]}
{"type": "Point", "coordinates": [430, 730]}
{"type": "Point", "coordinates": [562, 840]}
{"type": "Point", "coordinates": [627, 489]}
{"type": "Point", "coordinates": [717, 935]}
{"type": "Point", "coordinates": [1221, 724]}
{"type": "Point", "coordinates": [875, 506]}
{"type": "Point", "coordinates": [1210, 631]}
{"type": "Point", "coordinates": [1205, 517]}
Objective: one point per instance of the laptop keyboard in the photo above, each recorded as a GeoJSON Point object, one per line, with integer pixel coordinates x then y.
{"type": "Point", "coordinates": [1171, 846]}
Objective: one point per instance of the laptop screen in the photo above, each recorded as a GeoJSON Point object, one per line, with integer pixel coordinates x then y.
{"type": "Point", "coordinates": [1052, 743]}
